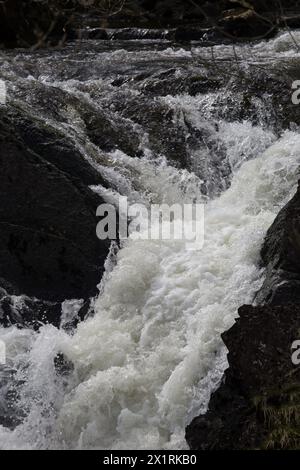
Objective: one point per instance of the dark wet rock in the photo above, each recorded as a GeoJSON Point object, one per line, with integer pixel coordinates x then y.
{"type": "Point", "coordinates": [28, 312]}
{"type": "Point", "coordinates": [110, 132]}
{"type": "Point", "coordinates": [105, 129]}
{"type": "Point", "coordinates": [169, 82]}
{"type": "Point", "coordinates": [63, 366]}
{"type": "Point", "coordinates": [189, 33]}
{"type": "Point", "coordinates": [281, 248]}
{"type": "Point", "coordinates": [56, 149]}
{"type": "Point", "coordinates": [256, 406]}
{"type": "Point", "coordinates": [221, 427]}
{"type": "Point", "coordinates": [85, 311]}
{"type": "Point", "coordinates": [281, 256]}
{"type": "Point", "coordinates": [259, 347]}
{"type": "Point", "coordinates": [10, 413]}
{"type": "Point", "coordinates": [165, 138]}
{"type": "Point", "coordinates": [252, 100]}
{"type": "Point", "coordinates": [48, 244]}
{"type": "Point", "coordinates": [172, 134]}
{"type": "Point", "coordinates": [93, 33]}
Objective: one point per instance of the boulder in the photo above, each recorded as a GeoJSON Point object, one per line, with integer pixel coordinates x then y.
{"type": "Point", "coordinates": [48, 245]}
{"type": "Point", "coordinates": [281, 256]}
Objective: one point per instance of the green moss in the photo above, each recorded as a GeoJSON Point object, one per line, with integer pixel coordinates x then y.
{"type": "Point", "coordinates": [283, 438]}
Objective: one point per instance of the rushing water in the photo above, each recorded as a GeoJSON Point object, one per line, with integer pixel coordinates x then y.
{"type": "Point", "coordinates": [147, 361]}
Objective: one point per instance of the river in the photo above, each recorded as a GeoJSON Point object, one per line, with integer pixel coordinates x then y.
{"type": "Point", "coordinates": [174, 130]}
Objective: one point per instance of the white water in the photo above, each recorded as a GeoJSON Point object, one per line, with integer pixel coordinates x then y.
{"type": "Point", "coordinates": [146, 363]}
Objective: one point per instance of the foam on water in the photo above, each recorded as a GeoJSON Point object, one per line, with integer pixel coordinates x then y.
{"type": "Point", "coordinates": [146, 363]}
{"type": "Point", "coordinates": [284, 45]}
{"type": "Point", "coordinates": [240, 140]}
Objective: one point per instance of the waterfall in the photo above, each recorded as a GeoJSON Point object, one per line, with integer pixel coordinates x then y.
{"type": "Point", "coordinates": [147, 359]}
